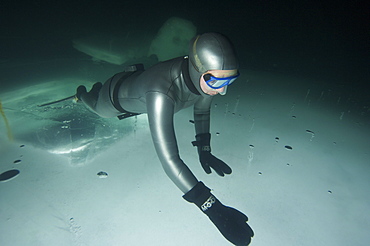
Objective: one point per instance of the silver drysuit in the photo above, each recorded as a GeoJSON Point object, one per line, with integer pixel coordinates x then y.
{"type": "Point", "coordinates": [160, 92]}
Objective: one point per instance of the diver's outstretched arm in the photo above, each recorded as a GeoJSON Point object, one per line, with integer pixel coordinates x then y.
{"type": "Point", "coordinates": [202, 111]}
{"type": "Point", "coordinates": [229, 221]}
{"type": "Point", "coordinates": [160, 109]}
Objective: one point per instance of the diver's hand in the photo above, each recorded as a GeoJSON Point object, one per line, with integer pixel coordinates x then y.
{"type": "Point", "coordinates": [208, 160]}
{"type": "Point", "coordinates": [229, 221]}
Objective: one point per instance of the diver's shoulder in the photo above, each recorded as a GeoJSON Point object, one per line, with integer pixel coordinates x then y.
{"type": "Point", "coordinates": [169, 63]}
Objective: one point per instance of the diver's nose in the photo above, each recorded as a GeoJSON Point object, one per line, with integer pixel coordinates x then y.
{"type": "Point", "coordinates": [222, 90]}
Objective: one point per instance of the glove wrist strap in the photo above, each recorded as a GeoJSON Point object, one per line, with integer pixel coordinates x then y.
{"type": "Point", "coordinates": [203, 142]}
{"type": "Point", "coordinates": [201, 147]}
{"type": "Point", "coordinates": [199, 194]}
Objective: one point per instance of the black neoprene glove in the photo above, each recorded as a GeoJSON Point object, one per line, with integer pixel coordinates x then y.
{"type": "Point", "coordinates": [206, 158]}
{"type": "Point", "coordinates": [230, 222]}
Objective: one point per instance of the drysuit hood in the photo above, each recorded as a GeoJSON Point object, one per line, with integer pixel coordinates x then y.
{"type": "Point", "coordinates": [210, 51]}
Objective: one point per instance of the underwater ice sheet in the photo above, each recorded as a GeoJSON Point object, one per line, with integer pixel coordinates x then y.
{"type": "Point", "coordinates": [263, 132]}
{"type": "Point", "coordinates": [66, 128]}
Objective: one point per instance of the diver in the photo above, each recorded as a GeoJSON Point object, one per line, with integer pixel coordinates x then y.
{"type": "Point", "coordinates": [160, 92]}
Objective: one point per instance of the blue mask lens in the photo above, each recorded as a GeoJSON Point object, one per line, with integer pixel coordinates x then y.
{"type": "Point", "coordinates": [217, 83]}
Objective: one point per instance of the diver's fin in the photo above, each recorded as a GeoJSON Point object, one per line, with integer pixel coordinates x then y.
{"type": "Point", "coordinates": [126, 115]}
{"type": "Point", "coordinates": [57, 101]}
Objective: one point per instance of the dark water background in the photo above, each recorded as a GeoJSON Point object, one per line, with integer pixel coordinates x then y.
{"type": "Point", "coordinates": [312, 39]}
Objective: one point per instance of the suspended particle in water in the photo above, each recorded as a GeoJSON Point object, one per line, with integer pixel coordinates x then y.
{"type": "Point", "coordinates": [338, 100]}
{"type": "Point", "coordinates": [226, 108]}
{"type": "Point", "coordinates": [322, 94]}
{"type": "Point", "coordinates": [74, 227]}
{"type": "Point", "coordinates": [288, 164]}
{"type": "Point", "coordinates": [334, 143]}
{"type": "Point", "coordinates": [22, 146]}
{"type": "Point", "coordinates": [308, 92]}
{"type": "Point", "coordinates": [102, 174]}
{"type": "Point", "coordinates": [277, 139]}
{"type": "Point", "coordinates": [191, 121]}
{"type": "Point", "coordinates": [330, 192]}
{"type": "Point", "coordinates": [217, 134]}
{"type": "Point", "coordinates": [292, 108]}
{"type": "Point", "coordinates": [251, 146]}
{"type": "Point", "coordinates": [260, 173]}
{"type": "Point", "coordinates": [252, 126]}
{"type": "Point", "coordinates": [294, 117]}
{"type": "Point", "coordinates": [288, 147]}
{"type": "Point", "coordinates": [236, 104]}
{"type": "Point", "coordinates": [341, 116]}
{"type": "Point", "coordinates": [250, 156]}
{"type": "Point", "coordinates": [16, 161]}
{"type": "Point", "coordinates": [312, 134]}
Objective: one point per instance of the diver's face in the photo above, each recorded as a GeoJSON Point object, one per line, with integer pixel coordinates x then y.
{"type": "Point", "coordinates": [219, 74]}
